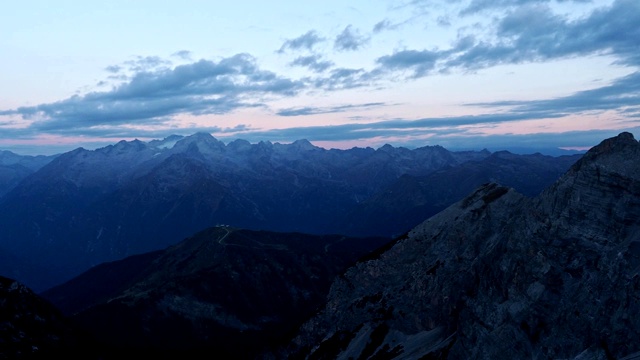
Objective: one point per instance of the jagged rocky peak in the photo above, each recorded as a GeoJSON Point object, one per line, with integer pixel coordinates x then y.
{"type": "Point", "coordinates": [296, 147]}
{"type": "Point", "coordinates": [619, 154]}
{"type": "Point", "coordinates": [124, 146]}
{"type": "Point", "coordinates": [600, 192]}
{"type": "Point", "coordinates": [166, 143]}
{"type": "Point", "coordinates": [501, 276]}
{"type": "Point", "coordinates": [386, 148]}
{"type": "Point", "coordinates": [303, 145]}
{"type": "Point", "coordinates": [204, 142]}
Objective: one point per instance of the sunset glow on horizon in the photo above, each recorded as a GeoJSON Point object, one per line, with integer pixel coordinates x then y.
{"type": "Point", "coordinates": [468, 74]}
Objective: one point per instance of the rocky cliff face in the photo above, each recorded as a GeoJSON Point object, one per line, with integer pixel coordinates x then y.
{"type": "Point", "coordinates": [501, 276]}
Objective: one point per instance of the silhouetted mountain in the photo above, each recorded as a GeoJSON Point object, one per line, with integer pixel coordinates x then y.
{"type": "Point", "coordinates": [31, 328]}
{"type": "Point", "coordinates": [32, 163]}
{"type": "Point", "coordinates": [411, 199]}
{"type": "Point", "coordinates": [497, 275]}
{"type": "Point", "coordinates": [87, 207]}
{"type": "Point", "coordinates": [501, 276]}
{"type": "Point", "coordinates": [14, 168]}
{"type": "Point", "coordinates": [224, 291]}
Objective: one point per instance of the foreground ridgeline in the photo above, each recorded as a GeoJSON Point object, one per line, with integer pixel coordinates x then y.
{"type": "Point", "coordinates": [501, 276]}
{"type": "Point", "coordinates": [82, 208]}
{"type": "Point", "coordinates": [223, 291]}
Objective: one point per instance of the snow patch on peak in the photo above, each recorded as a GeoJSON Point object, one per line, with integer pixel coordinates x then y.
{"type": "Point", "coordinates": [166, 143]}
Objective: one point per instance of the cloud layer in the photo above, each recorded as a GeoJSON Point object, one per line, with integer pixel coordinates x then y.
{"type": "Point", "coordinates": [146, 94]}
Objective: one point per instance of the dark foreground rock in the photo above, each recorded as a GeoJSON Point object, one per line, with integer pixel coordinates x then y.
{"type": "Point", "coordinates": [501, 276]}
{"type": "Point", "coordinates": [30, 327]}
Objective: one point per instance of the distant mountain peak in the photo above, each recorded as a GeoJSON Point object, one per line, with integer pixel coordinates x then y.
{"type": "Point", "coordinates": [202, 134]}
{"type": "Point", "coordinates": [206, 143]}
{"type": "Point", "coordinates": [386, 148]}
{"type": "Point", "coordinates": [166, 143]}
{"type": "Point", "coordinates": [131, 145]}
{"type": "Point", "coordinates": [303, 144]}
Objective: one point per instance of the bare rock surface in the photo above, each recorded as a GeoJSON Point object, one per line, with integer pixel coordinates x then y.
{"type": "Point", "coordinates": [501, 276]}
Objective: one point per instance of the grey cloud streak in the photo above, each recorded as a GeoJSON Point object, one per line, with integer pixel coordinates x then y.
{"type": "Point", "coordinates": [313, 62]}
{"type": "Point", "coordinates": [151, 90]}
{"type": "Point", "coordinates": [420, 62]}
{"type": "Point", "coordinates": [151, 97]}
{"type": "Point", "coordinates": [399, 127]}
{"type": "Point", "coordinates": [349, 40]}
{"type": "Point", "coordinates": [476, 6]}
{"type": "Point", "coordinates": [531, 33]}
{"type": "Point", "coordinates": [623, 93]}
{"type": "Point", "coordinates": [303, 111]}
{"type": "Point", "coordinates": [306, 41]}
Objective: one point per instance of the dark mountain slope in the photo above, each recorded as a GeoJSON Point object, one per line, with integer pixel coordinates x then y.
{"type": "Point", "coordinates": [411, 199]}
{"type": "Point", "coordinates": [14, 168]}
{"type": "Point", "coordinates": [501, 276]}
{"type": "Point", "coordinates": [100, 283]}
{"type": "Point", "coordinates": [224, 292]}
{"type": "Point", "coordinates": [87, 207]}
{"type": "Point", "coordinates": [11, 175]}
{"type": "Point", "coordinates": [31, 328]}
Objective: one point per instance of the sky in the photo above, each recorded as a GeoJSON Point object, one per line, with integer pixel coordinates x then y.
{"type": "Point", "coordinates": [463, 74]}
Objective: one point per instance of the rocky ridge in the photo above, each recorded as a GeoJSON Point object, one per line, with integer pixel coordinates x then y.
{"type": "Point", "coordinates": [501, 276]}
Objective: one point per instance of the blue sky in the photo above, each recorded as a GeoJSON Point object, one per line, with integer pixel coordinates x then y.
{"type": "Point", "coordinates": [462, 73]}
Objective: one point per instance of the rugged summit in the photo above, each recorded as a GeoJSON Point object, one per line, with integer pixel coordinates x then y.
{"type": "Point", "coordinates": [501, 276]}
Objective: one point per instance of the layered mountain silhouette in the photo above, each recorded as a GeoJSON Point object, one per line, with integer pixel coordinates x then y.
{"type": "Point", "coordinates": [502, 276]}
{"type": "Point", "coordinates": [411, 199]}
{"type": "Point", "coordinates": [226, 292]}
{"type": "Point", "coordinates": [14, 168]}
{"type": "Point", "coordinates": [86, 207]}
{"type": "Point", "coordinates": [496, 275]}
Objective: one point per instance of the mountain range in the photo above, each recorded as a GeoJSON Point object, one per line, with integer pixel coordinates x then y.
{"type": "Point", "coordinates": [14, 168]}
{"type": "Point", "coordinates": [85, 207]}
{"type": "Point", "coordinates": [502, 276]}
{"type": "Point", "coordinates": [495, 275]}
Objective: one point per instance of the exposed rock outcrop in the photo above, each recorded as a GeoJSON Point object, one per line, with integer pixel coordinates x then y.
{"type": "Point", "coordinates": [501, 276]}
